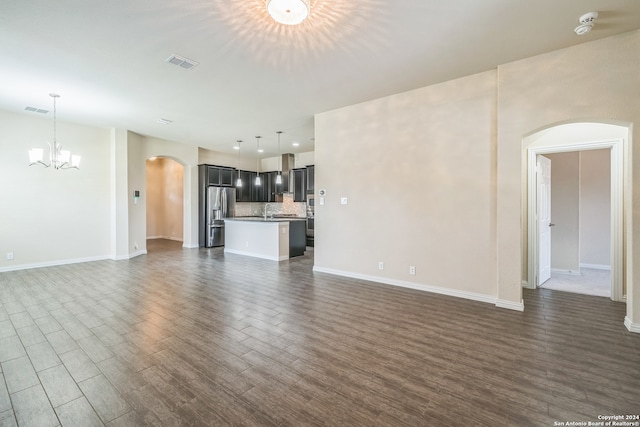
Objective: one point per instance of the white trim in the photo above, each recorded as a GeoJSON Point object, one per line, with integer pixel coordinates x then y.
{"type": "Point", "coordinates": [569, 272]}
{"type": "Point", "coordinates": [255, 255]}
{"type": "Point", "coordinates": [184, 245]}
{"type": "Point", "coordinates": [596, 266]}
{"type": "Point", "coordinates": [510, 305]}
{"type": "Point", "coordinates": [175, 239]}
{"type": "Point", "coordinates": [617, 175]}
{"type": "Point", "coordinates": [426, 288]}
{"type": "Point", "coordinates": [632, 327]}
{"type": "Point", "coordinates": [53, 263]}
{"type": "Point", "coordinates": [525, 284]}
{"type": "Point", "coordinates": [130, 255]}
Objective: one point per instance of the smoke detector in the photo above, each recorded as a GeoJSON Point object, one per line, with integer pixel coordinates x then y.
{"type": "Point", "coordinates": [586, 23]}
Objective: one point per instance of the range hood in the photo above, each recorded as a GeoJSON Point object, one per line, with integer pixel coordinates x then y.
{"type": "Point", "coordinates": [288, 163]}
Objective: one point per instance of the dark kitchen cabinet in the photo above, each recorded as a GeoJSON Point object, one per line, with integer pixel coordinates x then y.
{"type": "Point", "coordinates": [299, 184]}
{"type": "Point", "coordinates": [258, 192]}
{"type": "Point", "coordinates": [310, 179]}
{"type": "Point", "coordinates": [215, 175]}
{"type": "Point", "coordinates": [243, 193]}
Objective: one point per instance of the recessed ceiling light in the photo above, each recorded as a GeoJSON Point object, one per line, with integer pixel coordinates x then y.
{"type": "Point", "coordinates": [296, 144]}
{"type": "Point", "coordinates": [164, 121]}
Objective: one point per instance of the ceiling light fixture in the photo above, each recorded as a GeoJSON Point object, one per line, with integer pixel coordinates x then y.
{"type": "Point", "coordinates": [586, 23]}
{"type": "Point", "coordinates": [239, 180]}
{"type": "Point", "coordinates": [288, 12]}
{"type": "Point", "coordinates": [279, 177]}
{"type": "Point", "coordinates": [258, 180]}
{"type": "Point", "coordinates": [58, 158]}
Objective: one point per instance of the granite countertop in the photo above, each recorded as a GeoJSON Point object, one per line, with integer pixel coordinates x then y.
{"type": "Point", "coordinates": [269, 219]}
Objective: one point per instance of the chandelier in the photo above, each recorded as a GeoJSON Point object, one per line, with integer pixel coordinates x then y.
{"type": "Point", "coordinates": [58, 158]}
{"type": "Point", "coordinates": [288, 12]}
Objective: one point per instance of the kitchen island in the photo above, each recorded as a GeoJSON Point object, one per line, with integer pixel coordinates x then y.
{"type": "Point", "coordinates": [276, 239]}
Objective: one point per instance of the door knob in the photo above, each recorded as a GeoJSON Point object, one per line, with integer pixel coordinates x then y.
{"type": "Point", "coordinates": [551, 224]}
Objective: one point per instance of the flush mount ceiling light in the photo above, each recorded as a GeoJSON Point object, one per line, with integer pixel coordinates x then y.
{"type": "Point", "coordinates": [288, 12]}
{"type": "Point", "coordinates": [58, 158]}
{"type": "Point", "coordinates": [586, 23]}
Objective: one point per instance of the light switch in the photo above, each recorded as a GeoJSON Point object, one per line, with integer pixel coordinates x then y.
{"type": "Point", "coordinates": [343, 200]}
{"type": "Point", "coordinates": [321, 201]}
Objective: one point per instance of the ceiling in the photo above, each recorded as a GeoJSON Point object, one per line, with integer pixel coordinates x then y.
{"type": "Point", "coordinates": [107, 60]}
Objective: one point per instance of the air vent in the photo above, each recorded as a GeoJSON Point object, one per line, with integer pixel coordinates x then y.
{"type": "Point", "coordinates": [165, 121]}
{"type": "Point", "coordinates": [36, 110]}
{"type": "Point", "coordinates": [181, 61]}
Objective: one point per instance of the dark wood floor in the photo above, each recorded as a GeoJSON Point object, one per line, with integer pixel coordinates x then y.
{"type": "Point", "coordinates": [196, 337]}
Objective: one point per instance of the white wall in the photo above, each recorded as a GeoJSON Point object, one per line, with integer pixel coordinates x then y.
{"type": "Point", "coordinates": [49, 216]}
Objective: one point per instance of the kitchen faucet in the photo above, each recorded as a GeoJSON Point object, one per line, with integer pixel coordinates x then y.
{"type": "Point", "coordinates": [266, 208]}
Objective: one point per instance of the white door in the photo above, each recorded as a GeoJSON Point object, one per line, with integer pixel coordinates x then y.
{"type": "Point", "coordinates": [543, 177]}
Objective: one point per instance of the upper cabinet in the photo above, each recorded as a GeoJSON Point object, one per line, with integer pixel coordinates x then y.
{"type": "Point", "coordinates": [299, 182]}
{"type": "Point", "coordinates": [310, 179]}
{"type": "Point", "coordinates": [215, 175]}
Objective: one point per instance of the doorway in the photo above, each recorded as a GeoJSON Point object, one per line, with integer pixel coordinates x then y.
{"type": "Point", "coordinates": [548, 142]}
{"type": "Point", "coordinates": [165, 199]}
{"type": "Point", "coordinates": [578, 221]}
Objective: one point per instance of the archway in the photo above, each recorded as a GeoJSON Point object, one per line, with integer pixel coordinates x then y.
{"type": "Point", "coordinates": [578, 137]}
{"type": "Point", "coordinates": [165, 211]}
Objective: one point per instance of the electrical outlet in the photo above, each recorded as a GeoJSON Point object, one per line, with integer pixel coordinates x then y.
{"type": "Point", "coordinates": [9, 255]}
{"type": "Point", "coordinates": [412, 270]}
{"type": "Point", "coordinates": [381, 265]}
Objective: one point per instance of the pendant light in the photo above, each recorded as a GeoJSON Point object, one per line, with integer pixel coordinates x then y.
{"type": "Point", "coordinates": [58, 158]}
{"type": "Point", "coordinates": [239, 180]}
{"type": "Point", "coordinates": [279, 177]}
{"type": "Point", "coordinates": [258, 180]}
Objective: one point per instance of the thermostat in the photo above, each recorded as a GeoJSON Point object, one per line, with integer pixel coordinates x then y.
{"type": "Point", "coordinates": [322, 192]}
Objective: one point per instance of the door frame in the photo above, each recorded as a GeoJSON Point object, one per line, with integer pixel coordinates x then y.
{"type": "Point", "coordinates": [617, 238]}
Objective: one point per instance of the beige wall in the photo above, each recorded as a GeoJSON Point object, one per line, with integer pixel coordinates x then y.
{"type": "Point", "coordinates": [418, 172]}
{"type": "Point", "coordinates": [434, 177]}
{"type": "Point", "coordinates": [595, 81]}
{"type": "Point", "coordinates": [165, 197]}
{"type": "Point", "coordinates": [565, 206]}
{"type": "Point", "coordinates": [595, 208]}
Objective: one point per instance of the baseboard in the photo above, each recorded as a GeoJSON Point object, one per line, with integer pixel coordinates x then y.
{"type": "Point", "coordinates": [130, 255]}
{"type": "Point", "coordinates": [254, 255]}
{"type": "Point", "coordinates": [569, 272]}
{"type": "Point", "coordinates": [411, 285]}
{"type": "Point", "coordinates": [175, 239]}
{"type": "Point", "coordinates": [510, 305]}
{"type": "Point", "coordinates": [192, 246]}
{"type": "Point", "coordinates": [632, 327]}
{"type": "Point", "coordinates": [596, 266]}
{"type": "Point", "coordinates": [53, 263]}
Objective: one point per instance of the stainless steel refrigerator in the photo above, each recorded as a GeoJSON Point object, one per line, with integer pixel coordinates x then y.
{"type": "Point", "coordinates": [221, 204]}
